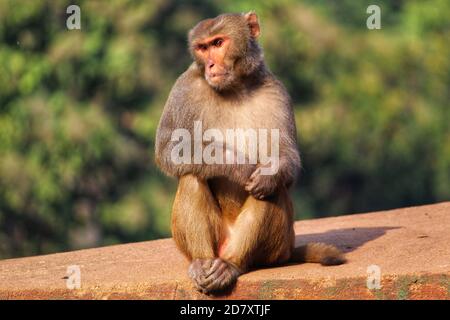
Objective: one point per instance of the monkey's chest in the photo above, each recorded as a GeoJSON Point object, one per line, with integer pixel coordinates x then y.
{"type": "Point", "coordinates": [251, 114]}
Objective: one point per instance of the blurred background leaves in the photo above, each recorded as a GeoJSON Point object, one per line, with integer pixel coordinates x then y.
{"type": "Point", "coordinates": [79, 110]}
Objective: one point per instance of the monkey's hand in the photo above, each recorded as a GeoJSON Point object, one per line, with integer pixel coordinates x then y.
{"type": "Point", "coordinates": [261, 186]}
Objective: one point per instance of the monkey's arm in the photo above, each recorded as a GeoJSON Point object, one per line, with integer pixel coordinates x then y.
{"type": "Point", "coordinates": [262, 185]}
{"type": "Point", "coordinates": [289, 164]}
{"type": "Point", "coordinates": [290, 161]}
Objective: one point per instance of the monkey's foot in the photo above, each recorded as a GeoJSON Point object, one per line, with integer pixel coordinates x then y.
{"type": "Point", "coordinates": [197, 273]}
{"type": "Point", "coordinates": [218, 275]}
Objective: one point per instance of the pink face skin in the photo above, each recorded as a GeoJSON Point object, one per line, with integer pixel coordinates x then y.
{"type": "Point", "coordinates": [212, 51]}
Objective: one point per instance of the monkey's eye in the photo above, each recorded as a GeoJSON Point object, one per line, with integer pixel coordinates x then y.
{"type": "Point", "coordinates": [202, 47]}
{"type": "Point", "coordinates": [218, 42]}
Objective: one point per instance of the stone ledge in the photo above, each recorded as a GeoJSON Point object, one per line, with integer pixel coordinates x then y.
{"type": "Point", "coordinates": [411, 246]}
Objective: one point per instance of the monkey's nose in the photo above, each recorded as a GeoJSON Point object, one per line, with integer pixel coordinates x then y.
{"type": "Point", "coordinates": [211, 65]}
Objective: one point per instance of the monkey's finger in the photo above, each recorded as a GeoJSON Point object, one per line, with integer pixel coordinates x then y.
{"type": "Point", "coordinates": [217, 267]}
{"type": "Point", "coordinates": [192, 270]}
{"type": "Point", "coordinates": [201, 289]}
{"type": "Point", "coordinates": [250, 186]}
{"type": "Point", "coordinates": [206, 264]}
{"type": "Point", "coordinates": [259, 196]}
{"type": "Point", "coordinates": [227, 278]}
{"type": "Point", "coordinates": [255, 191]}
{"type": "Point", "coordinates": [218, 283]}
{"type": "Point", "coordinates": [255, 173]}
{"type": "Point", "coordinates": [198, 287]}
{"type": "Point", "coordinates": [215, 264]}
{"type": "Point", "coordinates": [213, 277]}
{"type": "Point", "coordinates": [196, 272]}
{"type": "Point", "coordinates": [250, 181]}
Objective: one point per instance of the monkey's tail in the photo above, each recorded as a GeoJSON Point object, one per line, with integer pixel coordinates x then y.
{"type": "Point", "coordinates": [316, 252]}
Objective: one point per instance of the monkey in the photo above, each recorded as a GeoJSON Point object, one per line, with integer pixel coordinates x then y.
{"type": "Point", "coordinates": [228, 218]}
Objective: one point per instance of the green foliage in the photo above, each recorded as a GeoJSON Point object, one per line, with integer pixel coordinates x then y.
{"type": "Point", "coordinates": [79, 110]}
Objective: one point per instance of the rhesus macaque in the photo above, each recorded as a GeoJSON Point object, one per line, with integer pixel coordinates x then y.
{"type": "Point", "coordinates": [230, 217]}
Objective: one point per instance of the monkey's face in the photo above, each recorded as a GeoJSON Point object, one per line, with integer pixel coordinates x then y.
{"type": "Point", "coordinates": [220, 47]}
{"type": "Point", "coordinates": [214, 55]}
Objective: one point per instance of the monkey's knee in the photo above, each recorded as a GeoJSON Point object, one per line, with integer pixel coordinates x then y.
{"type": "Point", "coordinates": [192, 246]}
{"type": "Point", "coordinates": [191, 184]}
{"type": "Point", "coordinates": [195, 223]}
{"type": "Point", "coordinates": [179, 235]}
{"type": "Point", "coordinates": [271, 222]}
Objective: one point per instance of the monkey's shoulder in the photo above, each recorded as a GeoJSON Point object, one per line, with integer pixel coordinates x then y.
{"type": "Point", "coordinates": [272, 94]}
{"type": "Point", "coordinates": [274, 86]}
{"type": "Point", "coordinates": [190, 74]}
{"type": "Point", "coordinates": [188, 85]}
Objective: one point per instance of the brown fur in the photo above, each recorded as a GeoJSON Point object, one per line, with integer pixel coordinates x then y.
{"type": "Point", "coordinates": [226, 217]}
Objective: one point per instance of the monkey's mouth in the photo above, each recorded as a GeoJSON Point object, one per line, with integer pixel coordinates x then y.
{"type": "Point", "coordinates": [216, 76]}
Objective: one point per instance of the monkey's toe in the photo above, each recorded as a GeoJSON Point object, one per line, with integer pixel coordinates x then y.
{"type": "Point", "coordinates": [219, 276]}
{"type": "Point", "coordinates": [196, 273]}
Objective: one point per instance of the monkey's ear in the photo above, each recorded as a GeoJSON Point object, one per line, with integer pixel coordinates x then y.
{"type": "Point", "coordinates": [253, 23]}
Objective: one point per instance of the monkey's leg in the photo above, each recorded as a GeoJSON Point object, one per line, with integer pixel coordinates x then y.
{"type": "Point", "coordinates": [196, 224]}
{"type": "Point", "coordinates": [262, 234]}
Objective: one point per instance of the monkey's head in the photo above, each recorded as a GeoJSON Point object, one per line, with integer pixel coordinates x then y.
{"type": "Point", "coordinates": [225, 48]}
